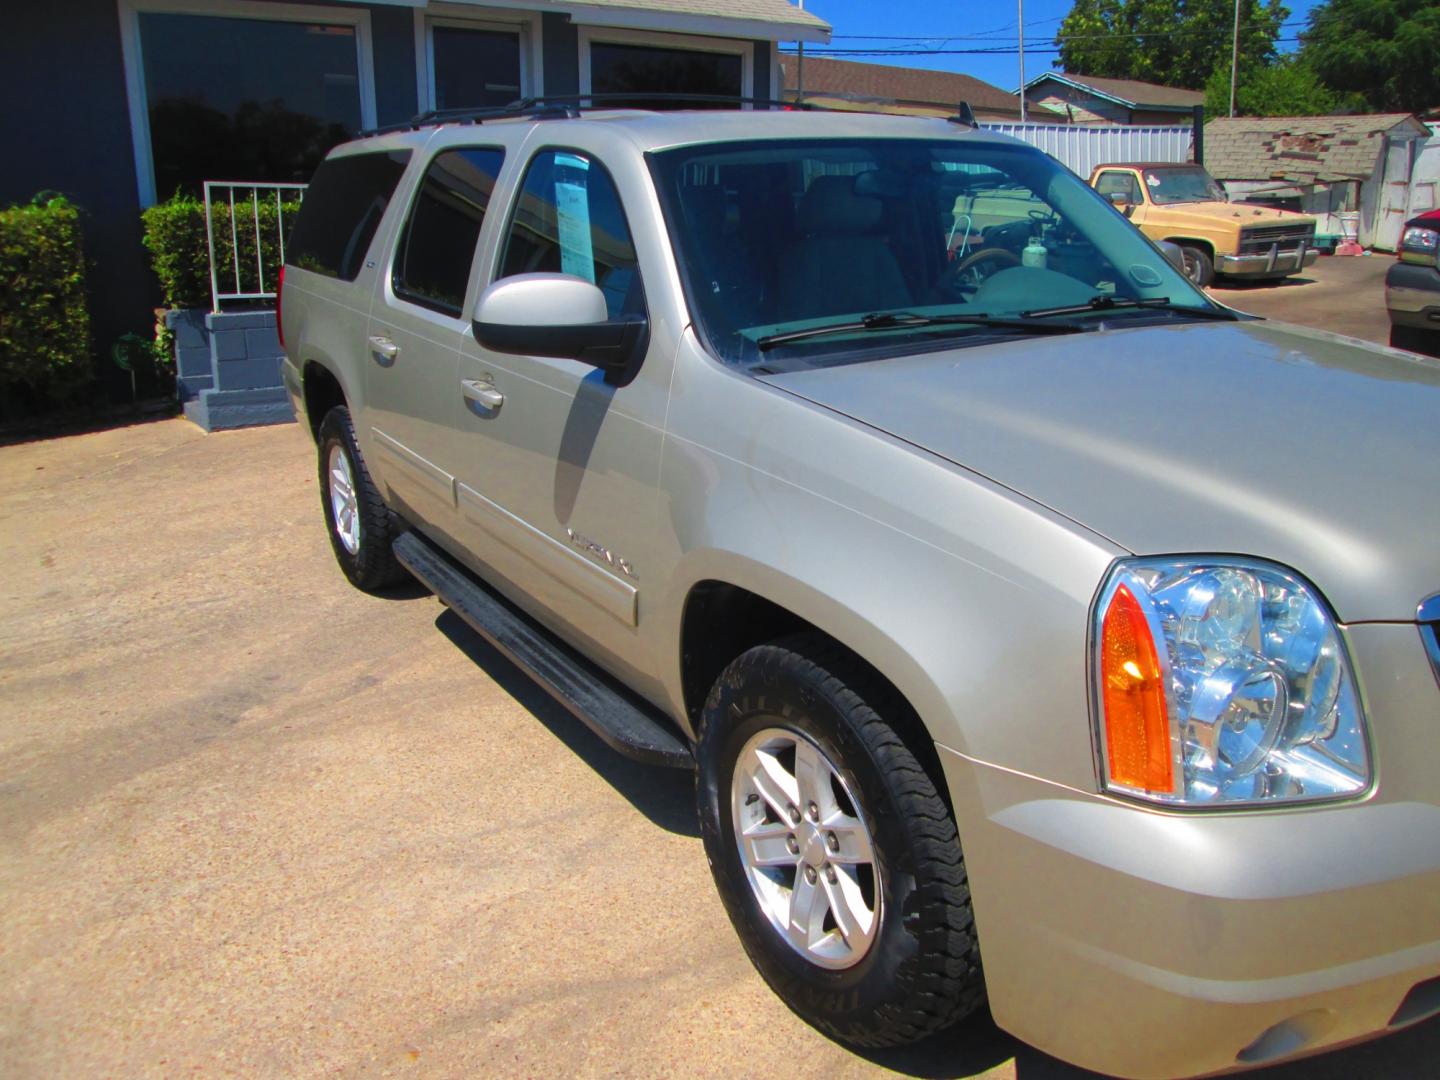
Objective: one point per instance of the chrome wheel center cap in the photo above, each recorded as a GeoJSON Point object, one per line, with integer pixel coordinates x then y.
{"type": "Point", "coordinates": [812, 844]}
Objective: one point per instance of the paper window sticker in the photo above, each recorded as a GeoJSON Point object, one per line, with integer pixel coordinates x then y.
{"type": "Point", "coordinates": [1152, 180]}
{"type": "Point", "coordinates": [572, 214]}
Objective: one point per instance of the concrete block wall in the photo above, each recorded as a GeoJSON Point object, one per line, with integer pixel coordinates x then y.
{"type": "Point", "coordinates": [228, 368]}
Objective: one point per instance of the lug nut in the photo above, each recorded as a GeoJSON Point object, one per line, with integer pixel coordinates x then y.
{"type": "Point", "coordinates": [810, 874]}
{"type": "Point", "coordinates": [814, 812]}
{"type": "Point", "coordinates": [832, 841]}
{"type": "Point", "coordinates": [794, 816]}
{"type": "Point", "coordinates": [830, 874]}
{"type": "Point", "coordinates": [792, 844]}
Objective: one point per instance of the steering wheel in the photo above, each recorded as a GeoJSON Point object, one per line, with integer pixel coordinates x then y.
{"type": "Point", "coordinates": [965, 276]}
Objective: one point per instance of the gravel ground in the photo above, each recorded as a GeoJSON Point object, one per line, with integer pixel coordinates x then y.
{"type": "Point", "coordinates": [254, 822]}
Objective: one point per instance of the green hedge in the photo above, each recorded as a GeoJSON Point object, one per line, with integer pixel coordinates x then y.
{"type": "Point", "coordinates": [44, 325]}
{"type": "Point", "coordinates": [175, 235]}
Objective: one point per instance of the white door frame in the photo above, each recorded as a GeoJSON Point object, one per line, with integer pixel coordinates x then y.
{"type": "Point", "coordinates": [610, 35]}
{"type": "Point", "coordinates": [524, 24]}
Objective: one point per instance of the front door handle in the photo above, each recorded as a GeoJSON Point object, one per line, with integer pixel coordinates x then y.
{"type": "Point", "coordinates": [482, 393]}
{"type": "Point", "coordinates": [384, 349]}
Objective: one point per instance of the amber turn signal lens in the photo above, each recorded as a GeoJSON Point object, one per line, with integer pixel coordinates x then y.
{"type": "Point", "coordinates": [1137, 728]}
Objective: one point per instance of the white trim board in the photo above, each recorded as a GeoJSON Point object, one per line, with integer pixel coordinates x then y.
{"type": "Point", "coordinates": [618, 36]}
{"type": "Point", "coordinates": [133, 59]}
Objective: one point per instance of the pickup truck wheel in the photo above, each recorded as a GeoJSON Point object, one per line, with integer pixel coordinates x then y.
{"type": "Point", "coordinates": [360, 525]}
{"type": "Point", "coordinates": [836, 859]}
{"type": "Point", "coordinates": [1198, 267]}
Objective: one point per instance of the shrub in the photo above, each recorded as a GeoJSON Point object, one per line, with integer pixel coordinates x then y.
{"type": "Point", "coordinates": [175, 235]}
{"type": "Point", "coordinates": [44, 324]}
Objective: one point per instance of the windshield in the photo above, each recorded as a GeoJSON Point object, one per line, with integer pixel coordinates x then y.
{"type": "Point", "coordinates": [1182, 185]}
{"type": "Point", "coordinates": [775, 237]}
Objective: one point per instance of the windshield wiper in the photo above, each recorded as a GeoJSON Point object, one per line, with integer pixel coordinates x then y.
{"type": "Point", "coordinates": [904, 320]}
{"type": "Point", "coordinates": [1102, 302]}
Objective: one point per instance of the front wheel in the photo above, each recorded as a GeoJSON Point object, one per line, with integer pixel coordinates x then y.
{"type": "Point", "coordinates": [361, 527]}
{"type": "Point", "coordinates": [836, 859]}
{"type": "Point", "coordinates": [1198, 267]}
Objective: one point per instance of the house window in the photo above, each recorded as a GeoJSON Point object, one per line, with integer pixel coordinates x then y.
{"type": "Point", "coordinates": [637, 69]}
{"type": "Point", "coordinates": [474, 68]}
{"type": "Point", "coordinates": [245, 98]}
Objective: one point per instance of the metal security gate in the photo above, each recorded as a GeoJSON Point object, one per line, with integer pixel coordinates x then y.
{"type": "Point", "coordinates": [1081, 147]}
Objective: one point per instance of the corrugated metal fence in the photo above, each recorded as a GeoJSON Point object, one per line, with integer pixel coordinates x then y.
{"type": "Point", "coordinates": [1082, 147]}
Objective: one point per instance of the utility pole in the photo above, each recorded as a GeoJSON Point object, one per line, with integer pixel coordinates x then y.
{"type": "Point", "coordinates": [1020, 4]}
{"type": "Point", "coordinates": [1235, 58]}
{"type": "Point", "coordinates": [800, 71]}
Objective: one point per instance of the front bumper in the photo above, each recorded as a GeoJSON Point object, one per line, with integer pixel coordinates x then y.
{"type": "Point", "coordinates": [1147, 943]}
{"type": "Point", "coordinates": [1412, 296]}
{"type": "Point", "coordinates": [1272, 262]}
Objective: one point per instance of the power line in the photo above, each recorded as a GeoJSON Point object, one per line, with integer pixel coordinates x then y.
{"type": "Point", "coordinates": [1109, 35]}
{"type": "Point", "coordinates": [1036, 50]}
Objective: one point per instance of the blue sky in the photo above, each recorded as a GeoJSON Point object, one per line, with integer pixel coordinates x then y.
{"type": "Point", "coordinates": [993, 23]}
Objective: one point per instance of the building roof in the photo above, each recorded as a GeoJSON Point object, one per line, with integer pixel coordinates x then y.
{"type": "Point", "coordinates": [770, 20]}
{"type": "Point", "coordinates": [1129, 92]}
{"type": "Point", "coordinates": [936, 92]}
{"type": "Point", "coordinates": [1313, 148]}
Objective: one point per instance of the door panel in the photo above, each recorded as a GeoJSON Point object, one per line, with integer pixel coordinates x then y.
{"type": "Point", "coordinates": [416, 326]}
{"type": "Point", "coordinates": [558, 485]}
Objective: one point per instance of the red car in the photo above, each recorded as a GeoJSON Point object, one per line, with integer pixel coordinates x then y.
{"type": "Point", "coordinates": [1412, 287]}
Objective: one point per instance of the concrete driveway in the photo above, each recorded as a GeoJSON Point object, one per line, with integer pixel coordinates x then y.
{"type": "Point", "coordinates": [253, 822]}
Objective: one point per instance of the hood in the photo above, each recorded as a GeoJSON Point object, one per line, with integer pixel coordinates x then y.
{"type": "Point", "coordinates": [1250, 438]}
{"type": "Point", "coordinates": [1242, 215]}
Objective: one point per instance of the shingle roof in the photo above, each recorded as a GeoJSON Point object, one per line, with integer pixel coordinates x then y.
{"type": "Point", "coordinates": [1132, 92]}
{"type": "Point", "coordinates": [940, 91]}
{"type": "Point", "coordinates": [769, 11]}
{"type": "Point", "coordinates": [1324, 148]}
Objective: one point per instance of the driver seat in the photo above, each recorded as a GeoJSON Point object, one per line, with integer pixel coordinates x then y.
{"type": "Point", "coordinates": [839, 265]}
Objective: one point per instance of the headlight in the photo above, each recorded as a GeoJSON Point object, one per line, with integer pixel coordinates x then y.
{"type": "Point", "coordinates": [1220, 682]}
{"type": "Point", "coordinates": [1419, 245]}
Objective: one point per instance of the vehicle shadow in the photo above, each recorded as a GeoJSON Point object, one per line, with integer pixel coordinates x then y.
{"type": "Point", "coordinates": [1240, 285]}
{"type": "Point", "coordinates": [665, 796]}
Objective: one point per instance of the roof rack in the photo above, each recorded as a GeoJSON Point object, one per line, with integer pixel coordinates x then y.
{"type": "Point", "coordinates": [569, 107]}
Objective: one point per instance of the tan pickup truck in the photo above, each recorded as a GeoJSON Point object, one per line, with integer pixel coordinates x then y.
{"type": "Point", "coordinates": [1183, 204]}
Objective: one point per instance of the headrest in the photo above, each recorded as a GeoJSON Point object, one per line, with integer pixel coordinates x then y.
{"type": "Point", "coordinates": [830, 205]}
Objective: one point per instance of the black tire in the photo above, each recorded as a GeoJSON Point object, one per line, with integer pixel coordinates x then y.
{"type": "Point", "coordinates": [372, 566]}
{"type": "Point", "coordinates": [1198, 267]}
{"type": "Point", "coordinates": [921, 973]}
{"type": "Point", "coordinates": [1416, 340]}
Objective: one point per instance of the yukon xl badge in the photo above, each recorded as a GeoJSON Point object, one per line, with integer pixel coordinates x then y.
{"type": "Point", "coordinates": [586, 544]}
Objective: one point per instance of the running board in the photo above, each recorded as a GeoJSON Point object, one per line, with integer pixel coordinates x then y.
{"type": "Point", "coordinates": [622, 721]}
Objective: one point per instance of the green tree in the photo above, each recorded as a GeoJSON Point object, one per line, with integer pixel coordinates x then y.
{"type": "Point", "coordinates": [1288, 87]}
{"type": "Point", "coordinates": [1171, 42]}
{"type": "Point", "coordinates": [1385, 53]}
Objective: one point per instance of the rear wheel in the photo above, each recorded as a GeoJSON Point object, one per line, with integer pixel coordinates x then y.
{"type": "Point", "coordinates": [1198, 267]}
{"type": "Point", "coordinates": [360, 525]}
{"type": "Point", "coordinates": [836, 859]}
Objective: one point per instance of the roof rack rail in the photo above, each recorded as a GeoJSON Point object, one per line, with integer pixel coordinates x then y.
{"type": "Point", "coordinates": [569, 106]}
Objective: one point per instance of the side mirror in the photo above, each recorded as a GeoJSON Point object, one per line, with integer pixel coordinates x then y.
{"type": "Point", "coordinates": [1121, 201]}
{"type": "Point", "coordinates": [1174, 253]}
{"type": "Point", "coordinates": [559, 315]}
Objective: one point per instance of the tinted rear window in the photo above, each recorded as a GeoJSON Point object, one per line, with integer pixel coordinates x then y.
{"type": "Point", "coordinates": [432, 261]}
{"type": "Point", "coordinates": [342, 210]}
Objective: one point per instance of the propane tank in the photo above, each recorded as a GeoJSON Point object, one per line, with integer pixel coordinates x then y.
{"type": "Point", "coordinates": [1034, 253]}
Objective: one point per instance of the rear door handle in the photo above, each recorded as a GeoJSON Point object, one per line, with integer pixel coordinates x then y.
{"type": "Point", "coordinates": [482, 393]}
{"type": "Point", "coordinates": [383, 348]}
